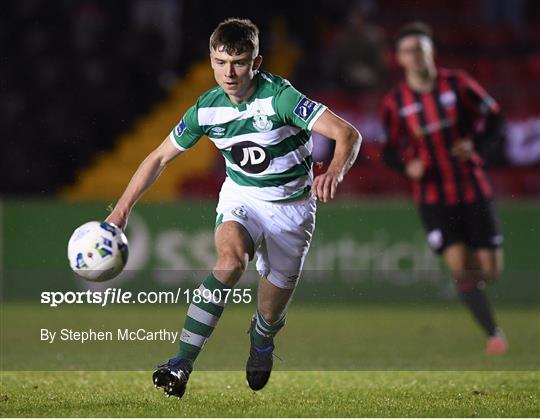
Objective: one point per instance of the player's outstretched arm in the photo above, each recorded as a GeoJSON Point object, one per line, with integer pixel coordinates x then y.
{"type": "Point", "coordinates": [147, 172]}
{"type": "Point", "coordinates": [348, 141]}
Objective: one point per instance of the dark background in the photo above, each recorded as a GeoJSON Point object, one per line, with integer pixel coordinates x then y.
{"type": "Point", "coordinates": [77, 74]}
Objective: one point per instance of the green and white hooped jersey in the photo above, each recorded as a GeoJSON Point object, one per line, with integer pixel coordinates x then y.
{"type": "Point", "coordinates": [266, 141]}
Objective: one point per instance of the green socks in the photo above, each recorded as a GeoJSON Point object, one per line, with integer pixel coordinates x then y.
{"type": "Point", "coordinates": [202, 317]}
{"type": "Point", "coordinates": [263, 333]}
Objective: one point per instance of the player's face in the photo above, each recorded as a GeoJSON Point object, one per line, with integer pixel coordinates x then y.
{"type": "Point", "coordinates": [415, 53]}
{"type": "Point", "coordinates": [235, 73]}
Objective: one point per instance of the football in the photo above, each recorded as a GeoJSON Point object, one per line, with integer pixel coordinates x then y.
{"type": "Point", "coordinates": [97, 251]}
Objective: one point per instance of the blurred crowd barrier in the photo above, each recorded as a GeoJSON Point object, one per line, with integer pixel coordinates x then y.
{"type": "Point", "coordinates": [84, 76]}
{"type": "Point", "coordinates": [363, 251]}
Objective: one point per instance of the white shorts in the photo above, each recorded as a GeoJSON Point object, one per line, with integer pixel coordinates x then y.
{"type": "Point", "coordinates": [281, 232]}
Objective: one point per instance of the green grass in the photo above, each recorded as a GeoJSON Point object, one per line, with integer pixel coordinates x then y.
{"type": "Point", "coordinates": [331, 337]}
{"type": "Point", "coordinates": [335, 361]}
{"type": "Point", "coordinates": [289, 394]}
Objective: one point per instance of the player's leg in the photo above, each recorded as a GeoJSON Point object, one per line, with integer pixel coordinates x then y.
{"type": "Point", "coordinates": [447, 234]}
{"type": "Point", "coordinates": [234, 248]}
{"type": "Point", "coordinates": [489, 263]}
{"type": "Point", "coordinates": [269, 318]}
{"type": "Point", "coordinates": [272, 301]}
{"type": "Point", "coordinates": [469, 285]}
{"type": "Point", "coordinates": [280, 261]}
{"type": "Point", "coordinates": [486, 256]}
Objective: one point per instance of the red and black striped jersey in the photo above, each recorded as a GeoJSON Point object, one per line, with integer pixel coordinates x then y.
{"type": "Point", "coordinates": [426, 125]}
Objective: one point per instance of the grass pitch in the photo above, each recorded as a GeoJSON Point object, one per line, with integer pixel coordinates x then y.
{"type": "Point", "coordinates": [289, 394]}
{"type": "Point", "coordinates": [337, 361]}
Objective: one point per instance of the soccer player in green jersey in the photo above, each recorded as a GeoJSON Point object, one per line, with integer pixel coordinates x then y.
{"type": "Point", "coordinates": [262, 126]}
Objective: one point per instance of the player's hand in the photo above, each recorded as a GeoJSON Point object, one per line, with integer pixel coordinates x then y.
{"type": "Point", "coordinates": [463, 149]}
{"type": "Point", "coordinates": [415, 169]}
{"type": "Point", "coordinates": [325, 186]}
{"type": "Point", "coordinates": [117, 219]}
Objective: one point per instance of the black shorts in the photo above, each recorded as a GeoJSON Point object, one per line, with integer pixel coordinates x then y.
{"type": "Point", "coordinates": [474, 224]}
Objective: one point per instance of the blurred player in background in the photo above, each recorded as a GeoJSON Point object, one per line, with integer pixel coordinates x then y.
{"type": "Point", "coordinates": [431, 121]}
{"type": "Point", "coordinates": [262, 126]}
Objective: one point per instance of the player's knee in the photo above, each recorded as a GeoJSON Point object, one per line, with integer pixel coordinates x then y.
{"type": "Point", "coordinates": [491, 274]}
{"type": "Point", "coordinates": [460, 275]}
{"type": "Point", "coordinates": [230, 265]}
{"type": "Point", "coordinates": [465, 280]}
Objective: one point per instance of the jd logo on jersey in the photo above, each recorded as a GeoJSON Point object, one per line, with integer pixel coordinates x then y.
{"type": "Point", "coordinates": [251, 157]}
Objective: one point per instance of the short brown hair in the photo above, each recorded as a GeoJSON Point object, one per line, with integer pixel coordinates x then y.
{"type": "Point", "coordinates": [236, 36]}
{"type": "Point", "coordinates": [413, 28]}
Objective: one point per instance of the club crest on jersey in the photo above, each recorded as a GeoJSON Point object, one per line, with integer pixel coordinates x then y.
{"type": "Point", "coordinates": [240, 212]}
{"type": "Point", "coordinates": [304, 108]}
{"type": "Point", "coordinates": [250, 157]}
{"type": "Point", "coordinates": [261, 123]}
{"type": "Point", "coordinates": [448, 98]}
{"type": "Point", "coordinates": [413, 108]}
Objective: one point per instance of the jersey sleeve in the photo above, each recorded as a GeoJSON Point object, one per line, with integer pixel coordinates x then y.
{"type": "Point", "coordinates": [476, 98]}
{"type": "Point", "coordinates": [489, 137]}
{"type": "Point", "coordinates": [396, 150]}
{"type": "Point", "coordinates": [297, 109]}
{"type": "Point", "coordinates": [187, 132]}
{"type": "Point", "coordinates": [390, 125]}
